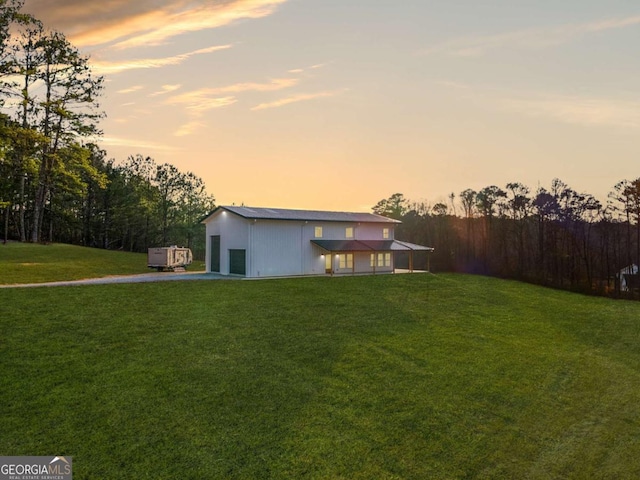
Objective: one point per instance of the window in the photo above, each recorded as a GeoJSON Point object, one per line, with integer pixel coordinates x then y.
{"type": "Point", "coordinates": [348, 232]}
{"type": "Point", "coordinates": [380, 260]}
{"type": "Point", "coordinates": [385, 233]}
{"type": "Point", "coordinates": [318, 232]}
{"type": "Point", "coordinates": [345, 260]}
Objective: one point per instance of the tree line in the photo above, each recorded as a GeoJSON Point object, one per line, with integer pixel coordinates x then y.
{"type": "Point", "coordinates": [555, 237]}
{"type": "Point", "coordinates": [56, 184]}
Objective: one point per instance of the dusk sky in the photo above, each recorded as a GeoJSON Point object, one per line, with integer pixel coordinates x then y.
{"type": "Point", "coordinates": [336, 104]}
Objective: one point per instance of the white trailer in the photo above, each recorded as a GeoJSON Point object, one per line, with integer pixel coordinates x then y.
{"type": "Point", "coordinates": [169, 258]}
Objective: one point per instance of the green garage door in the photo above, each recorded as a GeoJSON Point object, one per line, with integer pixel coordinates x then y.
{"type": "Point", "coordinates": [238, 262]}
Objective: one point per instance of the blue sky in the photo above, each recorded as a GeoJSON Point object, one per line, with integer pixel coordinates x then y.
{"type": "Point", "coordinates": [337, 104]}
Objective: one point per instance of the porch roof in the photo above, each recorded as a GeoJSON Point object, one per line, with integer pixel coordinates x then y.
{"type": "Point", "coordinates": [369, 246]}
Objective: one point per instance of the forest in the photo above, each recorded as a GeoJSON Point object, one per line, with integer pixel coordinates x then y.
{"type": "Point", "coordinates": [56, 184]}
{"type": "Point", "coordinates": [557, 237]}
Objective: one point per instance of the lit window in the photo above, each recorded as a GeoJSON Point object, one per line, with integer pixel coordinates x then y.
{"type": "Point", "coordinates": [346, 260]}
{"type": "Point", "coordinates": [385, 233]}
{"type": "Point", "coordinates": [318, 232]}
{"type": "Point", "coordinates": [380, 260]}
{"type": "Point", "coordinates": [349, 232]}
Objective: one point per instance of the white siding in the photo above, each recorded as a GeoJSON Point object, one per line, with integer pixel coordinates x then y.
{"type": "Point", "coordinates": [276, 248]}
{"type": "Point", "coordinates": [233, 231]}
{"type": "Point", "coordinates": [373, 231]}
{"type": "Point", "coordinates": [361, 231]}
{"type": "Point", "coordinates": [283, 247]}
{"type": "Point", "coordinates": [312, 255]}
{"type": "Point", "coordinates": [280, 248]}
{"type": "Point", "coordinates": [330, 231]}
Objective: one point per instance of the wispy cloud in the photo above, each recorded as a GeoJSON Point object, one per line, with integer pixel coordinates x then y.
{"type": "Point", "coordinates": [143, 22]}
{"type": "Point", "coordinates": [312, 67]}
{"type": "Point", "coordinates": [165, 90]}
{"type": "Point", "coordinates": [584, 110]}
{"type": "Point", "coordinates": [103, 67]}
{"type": "Point", "coordinates": [296, 98]}
{"type": "Point", "coordinates": [275, 84]}
{"type": "Point", "coordinates": [133, 143]}
{"type": "Point", "coordinates": [531, 38]}
{"type": "Point", "coordinates": [578, 110]}
{"type": "Point", "coordinates": [196, 104]}
{"type": "Point", "coordinates": [199, 101]}
{"type": "Point", "coordinates": [135, 88]}
{"type": "Point", "coordinates": [203, 99]}
{"type": "Point", "coordinates": [189, 128]}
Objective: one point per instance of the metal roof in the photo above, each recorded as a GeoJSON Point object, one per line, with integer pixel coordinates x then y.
{"type": "Point", "coordinates": [255, 213]}
{"type": "Point", "coordinates": [368, 246]}
{"type": "Point", "coordinates": [414, 247]}
{"type": "Point", "coordinates": [343, 245]}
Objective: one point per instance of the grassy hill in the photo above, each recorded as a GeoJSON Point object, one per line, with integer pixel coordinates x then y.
{"type": "Point", "coordinates": [395, 376]}
{"type": "Point", "coordinates": [35, 263]}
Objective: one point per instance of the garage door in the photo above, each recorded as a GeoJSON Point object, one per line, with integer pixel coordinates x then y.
{"type": "Point", "coordinates": [238, 262]}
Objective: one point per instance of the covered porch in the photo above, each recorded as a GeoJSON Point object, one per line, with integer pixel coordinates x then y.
{"type": "Point", "coordinates": [366, 256]}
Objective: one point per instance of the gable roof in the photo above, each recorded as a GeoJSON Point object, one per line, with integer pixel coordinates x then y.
{"type": "Point", "coordinates": [255, 213]}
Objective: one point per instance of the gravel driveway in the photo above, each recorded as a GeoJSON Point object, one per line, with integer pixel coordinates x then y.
{"type": "Point", "coordinates": [141, 278]}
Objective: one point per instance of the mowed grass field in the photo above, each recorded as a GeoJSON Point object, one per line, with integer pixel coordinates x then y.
{"type": "Point", "coordinates": [28, 263]}
{"type": "Point", "coordinates": [375, 377]}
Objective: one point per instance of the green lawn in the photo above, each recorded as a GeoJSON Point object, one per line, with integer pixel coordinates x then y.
{"type": "Point", "coordinates": [29, 263]}
{"type": "Point", "coordinates": [386, 377]}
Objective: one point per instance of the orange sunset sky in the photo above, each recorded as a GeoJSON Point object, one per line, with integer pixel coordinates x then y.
{"type": "Point", "coordinates": [335, 104]}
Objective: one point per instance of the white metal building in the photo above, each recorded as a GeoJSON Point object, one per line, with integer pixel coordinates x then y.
{"type": "Point", "coordinates": [269, 242]}
{"type": "Point", "coordinates": [629, 278]}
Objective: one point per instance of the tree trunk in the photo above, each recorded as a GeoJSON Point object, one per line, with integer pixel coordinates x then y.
{"type": "Point", "coordinates": [107, 222]}
{"type": "Point", "coordinates": [6, 223]}
{"type": "Point", "coordinates": [51, 228]}
{"type": "Point", "coordinates": [23, 230]}
{"type": "Point", "coordinates": [38, 208]}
